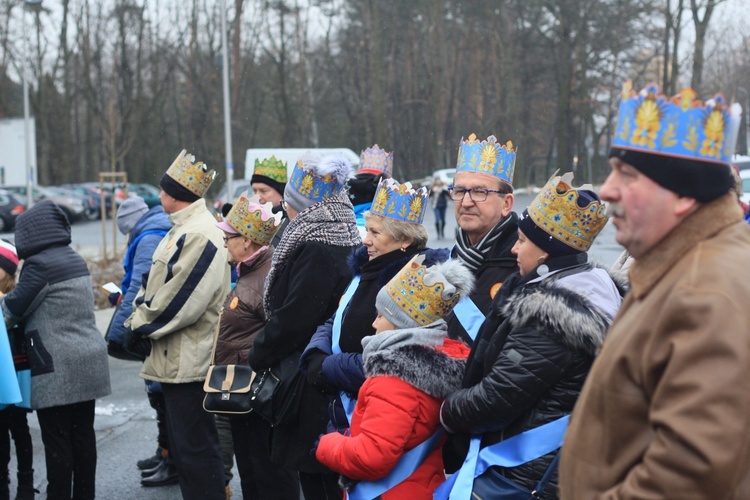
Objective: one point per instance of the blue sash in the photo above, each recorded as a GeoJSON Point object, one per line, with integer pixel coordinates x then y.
{"type": "Point", "coordinates": [469, 315]}
{"type": "Point", "coordinates": [510, 452]}
{"type": "Point", "coordinates": [347, 402]}
{"type": "Point", "coordinates": [406, 466]}
{"type": "Point", "coordinates": [9, 391]}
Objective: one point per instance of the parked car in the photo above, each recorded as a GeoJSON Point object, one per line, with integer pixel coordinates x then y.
{"type": "Point", "coordinates": [446, 175]}
{"type": "Point", "coordinates": [742, 162]}
{"type": "Point", "coordinates": [10, 207]}
{"type": "Point", "coordinates": [149, 193]}
{"type": "Point", "coordinates": [745, 176]}
{"type": "Point", "coordinates": [92, 189]}
{"type": "Point", "coordinates": [240, 185]}
{"type": "Point", "coordinates": [91, 204]}
{"type": "Point", "coordinates": [72, 206]}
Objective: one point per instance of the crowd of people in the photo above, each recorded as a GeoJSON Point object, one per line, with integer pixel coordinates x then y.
{"type": "Point", "coordinates": [510, 366]}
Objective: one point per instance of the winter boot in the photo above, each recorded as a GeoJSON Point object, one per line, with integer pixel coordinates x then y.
{"type": "Point", "coordinates": [437, 228]}
{"type": "Point", "coordinates": [152, 461]}
{"type": "Point", "coordinates": [442, 230]}
{"type": "Point", "coordinates": [26, 489]}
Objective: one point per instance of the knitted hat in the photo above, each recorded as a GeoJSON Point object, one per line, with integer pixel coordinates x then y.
{"type": "Point", "coordinates": [419, 295]}
{"type": "Point", "coordinates": [562, 220]}
{"type": "Point", "coordinates": [316, 178]}
{"type": "Point", "coordinates": [271, 172]}
{"type": "Point", "coordinates": [487, 157]}
{"type": "Point", "coordinates": [8, 257]}
{"type": "Point", "coordinates": [186, 180]}
{"type": "Point", "coordinates": [252, 220]}
{"type": "Point", "coordinates": [129, 213]}
{"type": "Point", "coordinates": [682, 144]}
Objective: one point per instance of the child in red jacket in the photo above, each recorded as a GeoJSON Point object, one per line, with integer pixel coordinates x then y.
{"type": "Point", "coordinates": [411, 366]}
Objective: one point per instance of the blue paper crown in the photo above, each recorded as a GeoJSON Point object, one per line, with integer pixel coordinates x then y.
{"type": "Point", "coordinates": [487, 157]}
{"type": "Point", "coordinates": [682, 126]}
{"type": "Point", "coordinates": [400, 201]}
{"type": "Point", "coordinates": [312, 186]}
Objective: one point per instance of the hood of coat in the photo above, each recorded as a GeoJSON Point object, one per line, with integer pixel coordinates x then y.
{"type": "Point", "coordinates": [42, 226]}
{"type": "Point", "coordinates": [563, 313]}
{"type": "Point", "coordinates": [419, 357]}
{"type": "Point", "coordinates": [155, 218]}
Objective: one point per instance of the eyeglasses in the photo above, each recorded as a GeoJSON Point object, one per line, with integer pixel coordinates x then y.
{"type": "Point", "coordinates": [477, 195]}
{"type": "Point", "coordinates": [227, 238]}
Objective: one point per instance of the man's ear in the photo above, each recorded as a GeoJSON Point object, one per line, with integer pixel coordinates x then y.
{"type": "Point", "coordinates": [507, 204]}
{"type": "Point", "coordinates": [684, 205]}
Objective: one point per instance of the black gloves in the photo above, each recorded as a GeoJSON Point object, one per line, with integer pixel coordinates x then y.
{"type": "Point", "coordinates": [135, 344]}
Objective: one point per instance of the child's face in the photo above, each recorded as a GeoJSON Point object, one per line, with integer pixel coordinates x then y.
{"type": "Point", "coordinates": [381, 324]}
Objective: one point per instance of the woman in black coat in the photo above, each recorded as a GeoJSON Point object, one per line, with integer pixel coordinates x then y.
{"type": "Point", "coordinates": [308, 274]}
{"type": "Point", "coordinates": [532, 355]}
{"type": "Point", "coordinates": [392, 239]}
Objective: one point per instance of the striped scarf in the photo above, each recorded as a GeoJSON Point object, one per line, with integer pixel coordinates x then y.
{"type": "Point", "coordinates": [474, 256]}
{"type": "Point", "coordinates": [330, 222]}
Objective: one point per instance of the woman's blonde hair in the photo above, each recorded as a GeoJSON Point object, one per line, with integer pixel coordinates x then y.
{"type": "Point", "coordinates": [402, 231]}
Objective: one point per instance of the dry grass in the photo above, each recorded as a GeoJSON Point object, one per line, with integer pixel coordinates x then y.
{"type": "Point", "coordinates": [103, 271]}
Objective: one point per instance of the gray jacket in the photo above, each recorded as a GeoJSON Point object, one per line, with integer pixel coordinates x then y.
{"type": "Point", "coordinates": [55, 303]}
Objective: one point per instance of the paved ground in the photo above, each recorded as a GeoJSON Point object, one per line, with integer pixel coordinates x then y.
{"type": "Point", "coordinates": [125, 432]}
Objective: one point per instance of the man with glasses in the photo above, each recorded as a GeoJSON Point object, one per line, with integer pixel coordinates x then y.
{"type": "Point", "coordinates": [487, 227]}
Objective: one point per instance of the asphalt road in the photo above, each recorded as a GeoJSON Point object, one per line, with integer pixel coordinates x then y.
{"type": "Point", "coordinates": [125, 425]}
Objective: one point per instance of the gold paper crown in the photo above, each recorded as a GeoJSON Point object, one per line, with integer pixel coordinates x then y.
{"type": "Point", "coordinates": [195, 177]}
{"type": "Point", "coordinates": [271, 168]}
{"type": "Point", "coordinates": [420, 293]}
{"type": "Point", "coordinates": [557, 212]}
{"type": "Point", "coordinates": [254, 220]}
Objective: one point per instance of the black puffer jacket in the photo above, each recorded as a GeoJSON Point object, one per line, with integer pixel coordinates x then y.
{"type": "Point", "coordinates": [530, 369]}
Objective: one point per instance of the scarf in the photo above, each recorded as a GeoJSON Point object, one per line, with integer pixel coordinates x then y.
{"type": "Point", "coordinates": [330, 222]}
{"type": "Point", "coordinates": [431, 335]}
{"type": "Point", "coordinates": [474, 256]}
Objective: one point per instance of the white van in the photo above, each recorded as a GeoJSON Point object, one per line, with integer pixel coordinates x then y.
{"type": "Point", "coordinates": [290, 156]}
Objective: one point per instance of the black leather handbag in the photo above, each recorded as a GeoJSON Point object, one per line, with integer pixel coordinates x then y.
{"type": "Point", "coordinates": [227, 389]}
{"type": "Point", "coordinates": [276, 392]}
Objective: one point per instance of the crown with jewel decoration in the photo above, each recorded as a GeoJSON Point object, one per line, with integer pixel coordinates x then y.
{"type": "Point", "coordinates": [487, 157]}
{"type": "Point", "coordinates": [681, 126]}
{"type": "Point", "coordinates": [376, 161]}
{"type": "Point", "coordinates": [400, 201]}
{"type": "Point", "coordinates": [195, 177]}
{"type": "Point", "coordinates": [271, 168]}
{"type": "Point", "coordinates": [254, 220]}
{"type": "Point", "coordinates": [423, 294]}
{"type": "Point", "coordinates": [557, 211]}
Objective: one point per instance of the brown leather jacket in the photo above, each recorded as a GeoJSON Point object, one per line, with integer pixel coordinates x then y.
{"type": "Point", "coordinates": [242, 314]}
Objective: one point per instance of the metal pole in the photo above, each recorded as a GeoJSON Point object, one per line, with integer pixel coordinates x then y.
{"type": "Point", "coordinates": [26, 118]}
{"type": "Point", "coordinates": [227, 115]}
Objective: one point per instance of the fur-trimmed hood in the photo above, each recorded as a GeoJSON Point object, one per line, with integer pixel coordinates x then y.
{"type": "Point", "coordinates": [422, 357]}
{"type": "Point", "coordinates": [563, 312]}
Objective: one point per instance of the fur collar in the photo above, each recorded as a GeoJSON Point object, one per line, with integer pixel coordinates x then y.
{"type": "Point", "coordinates": [560, 313]}
{"type": "Point", "coordinates": [430, 370]}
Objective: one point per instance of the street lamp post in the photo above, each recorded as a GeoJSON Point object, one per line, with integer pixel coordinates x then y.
{"type": "Point", "coordinates": [35, 4]}
{"type": "Point", "coordinates": [227, 115]}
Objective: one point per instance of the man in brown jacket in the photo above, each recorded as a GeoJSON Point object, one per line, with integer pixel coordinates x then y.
{"type": "Point", "coordinates": [665, 412]}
